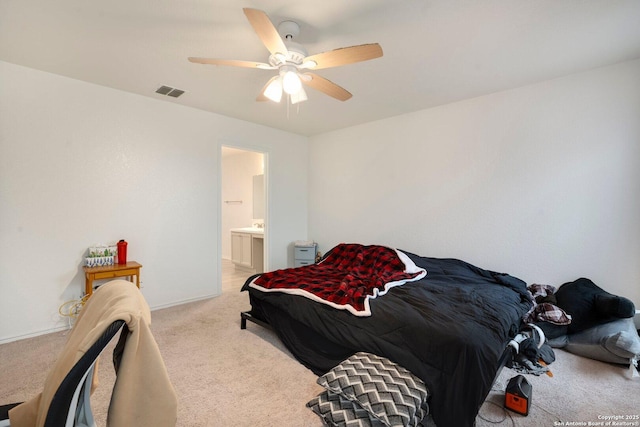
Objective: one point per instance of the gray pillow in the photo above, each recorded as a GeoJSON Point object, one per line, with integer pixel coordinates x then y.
{"type": "Point", "coordinates": [613, 342]}
{"type": "Point", "coordinates": [558, 342]}
{"type": "Point", "coordinates": [389, 392]}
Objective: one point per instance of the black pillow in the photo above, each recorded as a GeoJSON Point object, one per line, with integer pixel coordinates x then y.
{"type": "Point", "coordinates": [552, 331]}
{"type": "Point", "coordinates": [590, 305]}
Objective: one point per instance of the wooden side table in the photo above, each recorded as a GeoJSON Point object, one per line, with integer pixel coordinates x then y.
{"type": "Point", "coordinates": [129, 269]}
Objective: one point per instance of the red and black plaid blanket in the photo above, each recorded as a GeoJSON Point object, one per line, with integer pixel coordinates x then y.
{"type": "Point", "coordinates": [347, 278]}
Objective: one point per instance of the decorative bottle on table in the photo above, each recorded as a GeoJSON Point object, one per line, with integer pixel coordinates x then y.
{"type": "Point", "coordinates": [122, 252]}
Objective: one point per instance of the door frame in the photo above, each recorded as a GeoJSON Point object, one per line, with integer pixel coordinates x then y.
{"type": "Point", "coordinates": [267, 211]}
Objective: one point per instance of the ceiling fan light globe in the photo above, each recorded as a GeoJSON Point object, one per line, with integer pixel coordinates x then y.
{"type": "Point", "coordinates": [309, 64]}
{"type": "Point", "coordinates": [291, 82]}
{"type": "Point", "coordinates": [299, 96]}
{"type": "Point", "coordinates": [274, 90]}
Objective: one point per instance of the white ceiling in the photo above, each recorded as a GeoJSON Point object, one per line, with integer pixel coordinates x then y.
{"type": "Point", "coordinates": [435, 52]}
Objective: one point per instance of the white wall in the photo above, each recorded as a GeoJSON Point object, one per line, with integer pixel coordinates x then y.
{"type": "Point", "coordinates": [237, 174]}
{"type": "Point", "coordinates": [542, 182]}
{"type": "Point", "coordinates": [82, 164]}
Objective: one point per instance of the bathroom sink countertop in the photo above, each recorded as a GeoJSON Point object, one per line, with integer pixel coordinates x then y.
{"type": "Point", "coordinates": [252, 230]}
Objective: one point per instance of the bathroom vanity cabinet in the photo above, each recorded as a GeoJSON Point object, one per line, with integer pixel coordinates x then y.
{"type": "Point", "coordinates": [247, 249]}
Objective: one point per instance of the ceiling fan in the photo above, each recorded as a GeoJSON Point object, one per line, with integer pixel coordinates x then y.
{"type": "Point", "coordinates": [292, 61]}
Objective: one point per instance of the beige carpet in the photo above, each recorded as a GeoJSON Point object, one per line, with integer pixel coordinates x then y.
{"type": "Point", "coordinates": [225, 376]}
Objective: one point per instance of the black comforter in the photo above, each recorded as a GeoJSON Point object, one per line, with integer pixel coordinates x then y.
{"type": "Point", "coordinates": [450, 329]}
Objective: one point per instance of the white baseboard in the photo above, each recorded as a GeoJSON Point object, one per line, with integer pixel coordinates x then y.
{"type": "Point", "coordinates": [184, 301]}
{"type": "Point", "coordinates": [6, 340]}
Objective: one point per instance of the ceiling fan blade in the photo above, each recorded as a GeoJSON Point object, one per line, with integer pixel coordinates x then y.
{"type": "Point", "coordinates": [326, 86]}
{"type": "Point", "coordinates": [265, 30]}
{"type": "Point", "coordinates": [232, 63]}
{"type": "Point", "coordinates": [345, 55]}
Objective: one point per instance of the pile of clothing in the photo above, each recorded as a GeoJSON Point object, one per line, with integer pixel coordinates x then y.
{"type": "Point", "coordinates": [532, 353]}
{"type": "Point", "coordinates": [581, 318]}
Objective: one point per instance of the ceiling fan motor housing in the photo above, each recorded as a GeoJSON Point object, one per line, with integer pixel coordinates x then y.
{"type": "Point", "coordinates": [295, 54]}
{"type": "Point", "coordinates": [288, 30]}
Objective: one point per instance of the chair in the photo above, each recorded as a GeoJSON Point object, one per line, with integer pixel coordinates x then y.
{"type": "Point", "coordinates": [65, 399]}
{"type": "Point", "coordinates": [70, 405]}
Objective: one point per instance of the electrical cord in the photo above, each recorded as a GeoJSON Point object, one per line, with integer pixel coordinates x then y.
{"type": "Point", "coordinates": [71, 309]}
{"type": "Point", "coordinates": [505, 414]}
{"type": "Point", "coordinates": [557, 418]}
{"type": "Point", "coordinates": [500, 388]}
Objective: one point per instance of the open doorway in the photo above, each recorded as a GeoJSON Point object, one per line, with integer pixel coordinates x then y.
{"type": "Point", "coordinates": [243, 215]}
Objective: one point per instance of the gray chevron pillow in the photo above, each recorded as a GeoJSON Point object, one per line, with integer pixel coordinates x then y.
{"type": "Point", "coordinates": [336, 411]}
{"type": "Point", "coordinates": [386, 390]}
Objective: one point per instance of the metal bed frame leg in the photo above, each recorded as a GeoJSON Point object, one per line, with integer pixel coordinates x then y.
{"type": "Point", "coordinates": [246, 315]}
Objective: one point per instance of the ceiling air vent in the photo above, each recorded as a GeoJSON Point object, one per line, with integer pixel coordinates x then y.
{"type": "Point", "coordinates": [169, 91]}
{"type": "Point", "coordinates": [175, 93]}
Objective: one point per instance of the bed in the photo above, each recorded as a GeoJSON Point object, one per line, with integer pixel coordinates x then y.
{"type": "Point", "coordinates": [449, 327]}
